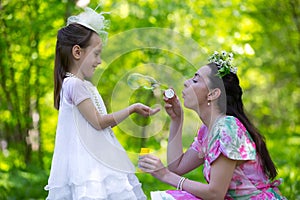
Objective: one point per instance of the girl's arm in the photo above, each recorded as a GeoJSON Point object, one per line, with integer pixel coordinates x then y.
{"type": "Point", "coordinates": [102, 121]}
{"type": "Point", "coordinates": [221, 174]}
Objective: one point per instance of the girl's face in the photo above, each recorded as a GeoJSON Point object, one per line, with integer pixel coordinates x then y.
{"type": "Point", "coordinates": [195, 92]}
{"type": "Point", "coordinates": [91, 57]}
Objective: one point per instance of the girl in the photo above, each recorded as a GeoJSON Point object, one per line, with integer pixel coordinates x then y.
{"type": "Point", "coordinates": [236, 162]}
{"type": "Point", "coordinates": [88, 160]}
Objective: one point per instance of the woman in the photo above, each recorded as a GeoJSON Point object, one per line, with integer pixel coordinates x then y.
{"type": "Point", "coordinates": [236, 162]}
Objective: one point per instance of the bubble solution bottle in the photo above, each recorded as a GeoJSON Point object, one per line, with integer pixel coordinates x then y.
{"type": "Point", "coordinates": [143, 151]}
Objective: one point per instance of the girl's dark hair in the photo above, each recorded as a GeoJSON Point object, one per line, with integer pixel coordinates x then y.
{"type": "Point", "coordinates": [233, 106]}
{"type": "Point", "coordinates": [67, 37]}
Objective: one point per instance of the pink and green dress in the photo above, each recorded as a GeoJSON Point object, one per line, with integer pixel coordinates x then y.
{"type": "Point", "coordinates": [230, 138]}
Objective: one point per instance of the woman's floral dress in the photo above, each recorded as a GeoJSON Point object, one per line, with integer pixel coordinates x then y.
{"type": "Point", "coordinates": [230, 138]}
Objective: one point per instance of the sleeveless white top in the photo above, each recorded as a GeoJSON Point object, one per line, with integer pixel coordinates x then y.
{"type": "Point", "coordinates": [88, 163]}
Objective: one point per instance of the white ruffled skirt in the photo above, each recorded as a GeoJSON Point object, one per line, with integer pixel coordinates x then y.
{"type": "Point", "coordinates": [110, 188]}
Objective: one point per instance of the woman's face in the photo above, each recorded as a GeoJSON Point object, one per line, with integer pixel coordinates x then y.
{"type": "Point", "coordinates": [91, 57]}
{"type": "Point", "coordinates": [195, 92]}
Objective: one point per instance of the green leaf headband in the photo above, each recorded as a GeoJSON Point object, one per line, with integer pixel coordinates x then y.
{"type": "Point", "coordinates": [92, 20]}
{"type": "Point", "coordinates": [223, 61]}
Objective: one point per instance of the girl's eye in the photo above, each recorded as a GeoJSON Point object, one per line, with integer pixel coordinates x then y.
{"type": "Point", "coordinates": [194, 81]}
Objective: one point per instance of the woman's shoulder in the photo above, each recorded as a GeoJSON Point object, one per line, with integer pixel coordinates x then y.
{"type": "Point", "coordinates": [230, 126]}
{"type": "Point", "coordinates": [228, 119]}
{"type": "Point", "coordinates": [232, 123]}
{"type": "Point", "coordinates": [232, 139]}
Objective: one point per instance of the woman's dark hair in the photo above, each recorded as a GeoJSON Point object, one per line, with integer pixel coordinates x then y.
{"type": "Point", "coordinates": [67, 37]}
{"type": "Point", "coordinates": [234, 107]}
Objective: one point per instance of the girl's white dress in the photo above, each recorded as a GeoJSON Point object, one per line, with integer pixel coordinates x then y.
{"type": "Point", "coordinates": [88, 163]}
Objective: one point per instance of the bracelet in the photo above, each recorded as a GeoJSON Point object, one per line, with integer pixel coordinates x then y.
{"type": "Point", "coordinates": [180, 183]}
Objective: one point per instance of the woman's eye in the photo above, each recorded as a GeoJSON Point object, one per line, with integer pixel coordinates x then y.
{"type": "Point", "coordinates": [194, 81]}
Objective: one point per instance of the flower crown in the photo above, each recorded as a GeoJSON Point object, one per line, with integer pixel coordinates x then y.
{"type": "Point", "coordinates": [92, 20]}
{"type": "Point", "coordinates": [223, 61]}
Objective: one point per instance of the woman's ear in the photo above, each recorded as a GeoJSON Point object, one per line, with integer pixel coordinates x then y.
{"type": "Point", "coordinates": [76, 51]}
{"type": "Point", "coordinates": [214, 94]}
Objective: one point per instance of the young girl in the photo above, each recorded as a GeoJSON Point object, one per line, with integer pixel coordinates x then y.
{"type": "Point", "coordinates": [88, 160]}
{"type": "Point", "coordinates": [236, 162]}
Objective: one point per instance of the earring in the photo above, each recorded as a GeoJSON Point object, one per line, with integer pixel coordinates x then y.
{"type": "Point", "coordinates": [208, 103]}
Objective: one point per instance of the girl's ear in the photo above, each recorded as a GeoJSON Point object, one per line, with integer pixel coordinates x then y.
{"type": "Point", "coordinates": [214, 94]}
{"type": "Point", "coordinates": [76, 51]}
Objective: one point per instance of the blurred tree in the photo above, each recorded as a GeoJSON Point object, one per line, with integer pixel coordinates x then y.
{"type": "Point", "coordinates": [24, 77]}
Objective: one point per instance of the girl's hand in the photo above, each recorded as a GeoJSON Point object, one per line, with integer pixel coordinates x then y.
{"type": "Point", "coordinates": [173, 107]}
{"type": "Point", "coordinates": [144, 110]}
{"type": "Point", "coordinates": [153, 165]}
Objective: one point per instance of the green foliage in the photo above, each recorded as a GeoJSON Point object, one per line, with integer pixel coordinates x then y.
{"type": "Point", "coordinates": [264, 36]}
{"type": "Point", "coordinates": [23, 184]}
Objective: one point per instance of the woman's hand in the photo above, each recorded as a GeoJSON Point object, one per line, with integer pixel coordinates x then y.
{"type": "Point", "coordinates": [173, 108]}
{"type": "Point", "coordinates": [143, 110]}
{"type": "Point", "coordinates": [153, 165]}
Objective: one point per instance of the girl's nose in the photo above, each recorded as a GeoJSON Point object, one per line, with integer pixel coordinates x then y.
{"type": "Point", "coordinates": [99, 61]}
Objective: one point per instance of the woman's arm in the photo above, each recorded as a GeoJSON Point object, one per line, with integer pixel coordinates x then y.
{"type": "Point", "coordinates": [102, 121]}
{"type": "Point", "coordinates": [221, 174]}
{"type": "Point", "coordinates": [220, 177]}
{"type": "Point", "coordinates": [178, 161]}
{"type": "Point", "coordinates": [174, 151]}
{"type": "Point", "coordinates": [189, 161]}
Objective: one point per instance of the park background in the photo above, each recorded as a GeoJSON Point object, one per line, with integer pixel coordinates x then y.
{"type": "Point", "coordinates": [167, 40]}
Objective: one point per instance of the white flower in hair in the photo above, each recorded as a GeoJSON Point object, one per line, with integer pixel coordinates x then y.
{"type": "Point", "coordinates": [223, 61]}
{"type": "Point", "coordinates": [91, 20]}
{"type": "Point", "coordinates": [233, 70]}
{"type": "Point", "coordinates": [224, 53]}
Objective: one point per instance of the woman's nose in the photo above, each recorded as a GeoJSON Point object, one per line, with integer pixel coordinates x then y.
{"type": "Point", "coordinates": [186, 84]}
